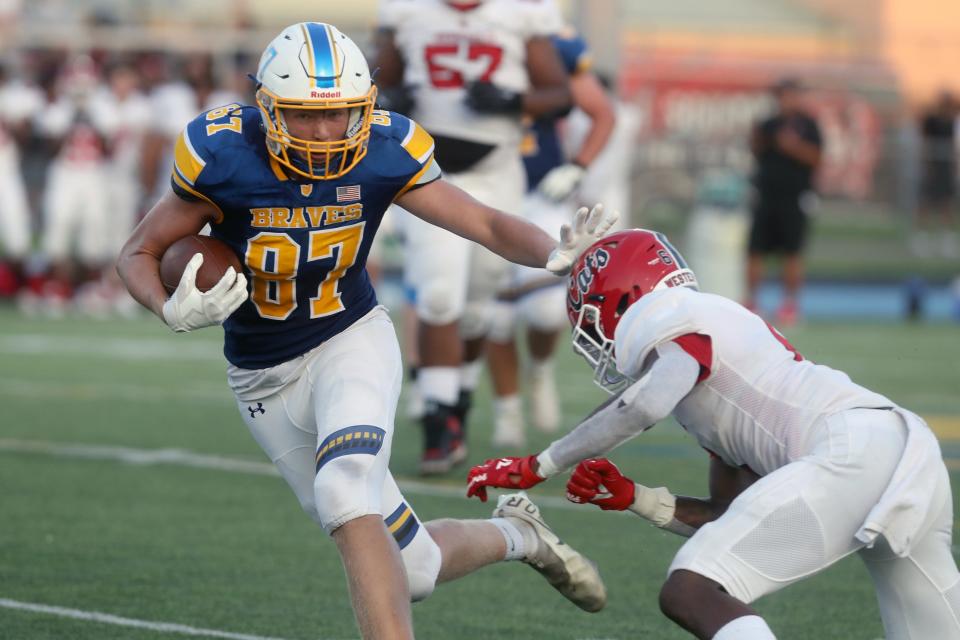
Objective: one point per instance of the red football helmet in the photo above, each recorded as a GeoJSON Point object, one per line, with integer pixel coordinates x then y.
{"type": "Point", "coordinates": [607, 278]}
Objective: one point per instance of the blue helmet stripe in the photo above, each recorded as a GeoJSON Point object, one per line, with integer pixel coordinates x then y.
{"type": "Point", "coordinates": [681, 263]}
{"type": "Point", "coordinates": [324, 66]}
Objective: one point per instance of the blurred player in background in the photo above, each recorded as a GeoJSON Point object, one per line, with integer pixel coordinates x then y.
{"type": "Point", "coordinates": [173, 105]}
{"type": "Point", "coordinates": [124, 112]}
{"type": "Point", "coordinates": [938, 193]}
{"type": "Point", "coordinates": [533, 296]}
{"type": "Point", "coordinates": [468, 71]}
{"type": "Point", "coordinates": [77, 218]}
{"type": "Point", "coordinates": [806, 467]}
{"type": "Point", "coordinates": [788, 149]}
{"type": "Point", "coordinates": [298, 187]}
{"type": "Point", "coordinates": [19, 101]}
{"type": "Point", "coordinates": [609, 176]}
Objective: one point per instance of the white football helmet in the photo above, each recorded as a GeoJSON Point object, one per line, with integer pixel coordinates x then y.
{"type": "Point", "coordinates": [312, 65]}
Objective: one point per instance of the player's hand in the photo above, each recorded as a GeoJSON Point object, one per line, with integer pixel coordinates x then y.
{"type": "Point", "coordinates": [588, 227]}
{"type": "Point", "coordinates": [562, 181]}
{"type": "Point", "coordinates": [189, 308]}
{"type": "Point", "coordinates": [599, 482]}
{"type": "Point", "coordinates": [506, 473]}
{"type": "Point", "coordinates": [486, 97]}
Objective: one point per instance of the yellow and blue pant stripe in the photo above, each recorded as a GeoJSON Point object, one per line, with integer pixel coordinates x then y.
{"type": "Point", "coordinates": [402, 524]}
{"type": "Point", "coordinates": [357, 439]}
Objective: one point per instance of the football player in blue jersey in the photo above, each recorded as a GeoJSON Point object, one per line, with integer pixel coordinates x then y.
{"type": "Point", "coordinates": [297, 187]}
{"type": "Point", "coordinates": [534, 296]}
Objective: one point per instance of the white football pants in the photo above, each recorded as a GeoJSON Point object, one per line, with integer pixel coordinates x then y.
{"type": "Point", "coordinates": [456, 279]}
{"type": "Point", "coordinates": [325, 419]}
{"type": "Point", "coordinates": [803, 517]}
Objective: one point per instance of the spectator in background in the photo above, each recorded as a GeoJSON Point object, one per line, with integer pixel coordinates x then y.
{"type": "Point", "coordinates": [18, 101]}
{"type": "Point", "coordinates": [787, 147]}
{"type": "Point", "coordinates": [939, 177]}
{"type": "Point", "coordinates": [173, 105]}
{"type": "Point", "coordinates": [76, 216]}
{"type": "Point", "coordinates": [124, 113]}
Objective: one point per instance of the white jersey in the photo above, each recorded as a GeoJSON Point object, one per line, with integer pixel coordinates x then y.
{"type": "Point", "coordinates": [444, 48]}
{"type": "Point", "coordinates": [18, 103]}
{"type": "Point", "coordinates": [125, 123]}
{"type": "Point", "coordinates": [761, 401]}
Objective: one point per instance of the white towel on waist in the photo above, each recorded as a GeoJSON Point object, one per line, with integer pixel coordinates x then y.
{"type": "Point", "coordinates": [903, 507]}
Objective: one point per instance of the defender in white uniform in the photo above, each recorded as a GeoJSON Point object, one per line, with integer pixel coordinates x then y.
{"type": "Point", "coordinates": [807, 466]}
{"type": "Point", "coordinates": [467, 72]}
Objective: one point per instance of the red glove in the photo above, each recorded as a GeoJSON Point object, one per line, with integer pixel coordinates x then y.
{"type": "Point", "coordinates": [601, 483]}
{"type": "Point", "coordinates": [507, 473]}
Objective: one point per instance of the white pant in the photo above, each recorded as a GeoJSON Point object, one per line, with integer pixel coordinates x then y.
{"type": "Point", "coordinates": [454, 278]}
{"type": "Point", "coordinates": [76, 208]}
{"type": "Point", "coordinates": [543, 303]}
{"type": "Point", "coordinates": [14, 212]}
{"type": "Point", "coordinates": [326, 420]}
{"type": "Point", "coordinates": [803, 517]}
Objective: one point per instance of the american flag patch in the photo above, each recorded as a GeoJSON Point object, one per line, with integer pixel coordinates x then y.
{"type": "Point", "coordinates": [348, 194]}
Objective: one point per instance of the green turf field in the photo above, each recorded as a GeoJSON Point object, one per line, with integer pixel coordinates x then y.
{"type": "Point", "coordinates": [130, 487]}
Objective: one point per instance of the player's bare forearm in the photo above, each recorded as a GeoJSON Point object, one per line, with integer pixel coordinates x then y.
{"type": "Point", "coordinates": [139, 262]}
{"type": "Point", "coordinates": [546, 101]}
{"type": "Point", "coordinates": [387, 61]}
{"type": "Point", "coordinates": [726, 483]}
{"type": "Point", "coordinates": [590, 96]}
{"type": "Point", "coordinates": [140, 273]}
{"type": "Point", "coordinates": [453, 209]}
{"type": "Point", "coordinates": [549, 83]}
{"type": "Point", "coordinates": [697, 512]}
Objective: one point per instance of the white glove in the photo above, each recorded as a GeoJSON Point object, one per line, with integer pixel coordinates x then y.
{"type": "Point", "coordinates": [562, 181]}
{"type": "Point", "coordinates": [189, 308]}
{"type": "Point", "coordinates": [588, 227]}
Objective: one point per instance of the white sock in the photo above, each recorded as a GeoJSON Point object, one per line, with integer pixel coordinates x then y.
{"type": "Point", "coordinates": [540, 368]}
{"type": "Point", "coordinates": [439, 384]}
{"type": "Point", "coordinates": [507, 405]}
{"type": "Point", "coordinates": [516, 547]}
{"type": "Point", "coordinates": [470, 374]}
{"type": "Point", "coordinates": [745, 628]}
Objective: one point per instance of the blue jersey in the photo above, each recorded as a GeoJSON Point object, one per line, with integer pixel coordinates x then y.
{"type": "Point", "coordinates": [303, 245]}
{"type": "Point", "coordinates": [541, 146]}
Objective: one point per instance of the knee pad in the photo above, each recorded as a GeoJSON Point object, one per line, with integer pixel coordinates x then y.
{"type": "Point", "coordinates": [419, 552]}
{"type": "Point", "coordinates": [440, 302]}
{"type": "Point", "coordinates": [421, 559]}
{"type": "Point", "coordinates": [350, 475]}
{"type": "Point", "coordinates": [503, 321]}
{"type": "Point", "coordinates": [545, 310]}
{"type": "Point", "coordinates": [476, 320]}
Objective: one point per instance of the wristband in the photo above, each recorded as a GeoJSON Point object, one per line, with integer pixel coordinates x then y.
{"type": "Point", "coordinates": [659, 507]}
{"type": "Point", "coordinates": [546, 467]}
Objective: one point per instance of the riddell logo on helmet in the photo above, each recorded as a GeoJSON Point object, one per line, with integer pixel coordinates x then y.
{"type": "Point", "coordinates": [592, 264]}
{"type": "Point", "coordinates": [324, 94]}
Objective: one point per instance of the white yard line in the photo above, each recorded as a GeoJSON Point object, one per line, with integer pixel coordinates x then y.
{"type": "Point", "coordinates": [106, 618]}
{"type": "Point", "coordinates": [112, 347]}
{"type": "Point", "coordinates": [190, 391]}
{"type": "Point", "coordinates": [183, 458]}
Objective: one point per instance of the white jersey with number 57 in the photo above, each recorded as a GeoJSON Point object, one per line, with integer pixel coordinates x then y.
{"type": "Point", "coordinates": [445, 48]}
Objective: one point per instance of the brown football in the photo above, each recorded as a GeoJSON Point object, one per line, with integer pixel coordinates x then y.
{"type": "Point", "coordinates": [217, 257]}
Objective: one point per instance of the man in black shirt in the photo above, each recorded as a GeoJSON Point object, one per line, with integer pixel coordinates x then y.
{"type": "Point", "coordinates": [939, 175]}
{"type": "Point", "coordinates": [787, 147]}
